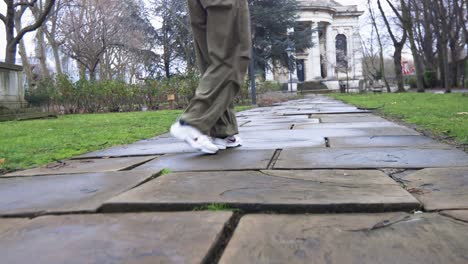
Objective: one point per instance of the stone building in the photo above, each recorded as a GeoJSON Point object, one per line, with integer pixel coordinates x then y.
{"type": "Point", "coordinates": [11, 86]}
{"type": "Point", "coordinates": [336, 53]}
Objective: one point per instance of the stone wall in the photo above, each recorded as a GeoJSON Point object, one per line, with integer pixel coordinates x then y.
{"type": "Point", "coordinates": [11, 86]}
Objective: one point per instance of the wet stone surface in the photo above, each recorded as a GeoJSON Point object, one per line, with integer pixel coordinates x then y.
{"type": "Point", "coordinates": [386, 141]}
{"type": "Point", "coordinates": [348, 118]}
{"type": "Point", "coordinates": [64, 193]}
{"type": "Point", "coordinates": [341, 238]}
{"type": "Point", "coordinates": [84, 166]}
{"type": "Point", "coordinates": [311, 191]}
{"type": "Point", "coordinates": [440, 188]}
{"type": "Point", "coordinates": [370, 158]}
{"type": "Point", "coordinates": [138, 149]}
{"type": "Point", "coordinates": [115, 238]}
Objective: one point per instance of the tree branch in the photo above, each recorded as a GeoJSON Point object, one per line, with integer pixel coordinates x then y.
{"type": "Point", "coordinates": [28, 4]}
{"type": "Point", "coordinates": [3, 18]}
{"type": "Point", "coordinates": [37, 24]}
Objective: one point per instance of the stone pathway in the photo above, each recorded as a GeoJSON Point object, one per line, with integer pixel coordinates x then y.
{"type": "Point", "coordinates": [317, 181]}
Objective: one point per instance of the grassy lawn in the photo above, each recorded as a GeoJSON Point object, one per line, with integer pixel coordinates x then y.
{"type": "Point", "coordinates": [442, 114]}
{"type": "Point", "coordinates": [25, 144]}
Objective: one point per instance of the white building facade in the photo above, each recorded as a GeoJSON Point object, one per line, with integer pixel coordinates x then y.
{"type": "Point", "coordinates": [336, 53]}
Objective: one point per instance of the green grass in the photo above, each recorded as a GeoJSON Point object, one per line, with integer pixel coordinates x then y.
{"type": "Point", "coordinates": [442, 114]}
{"type": "Point", "coordinates": [26, 144]}
{"type": "Point", "coordinates": [216, 207]}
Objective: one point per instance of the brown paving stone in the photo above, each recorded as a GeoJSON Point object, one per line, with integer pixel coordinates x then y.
{"type": "Point", "coordinates": [342, 238]}
{"type": "Point", "coordinates": [308, 158]}
{"type": "Point", "coordinates": [115, 238]}
{"type": "Point", "coordinates": [440, 188]}
{"type": "Point", "coordinates": [231, 159]}
{"type": "Point", "coordinates": [84, 166]}
{"type": "Point", "coordinates": [298, 191]}
{"type": "Point", "coordinates": [64, 193]}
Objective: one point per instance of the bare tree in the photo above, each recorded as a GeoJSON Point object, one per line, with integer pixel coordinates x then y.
{"type": "Point", "coordinates": [397, 44]}
{"type": "Point", "coordinates": [407, 21]}
{"type": "Point", "coordinates": [15, 10]}
{"type": "Point", "coordinates": [379, 40]}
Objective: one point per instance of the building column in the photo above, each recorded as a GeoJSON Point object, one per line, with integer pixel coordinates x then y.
{"type": "Point", "coordinates": [313, 67]}
{"type": "Point", "coordinates": [331, 52]}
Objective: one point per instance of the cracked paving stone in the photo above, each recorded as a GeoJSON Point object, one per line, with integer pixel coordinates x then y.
{"type": "Point", "coordinates": [83, 166]}
{"type": "Point", "coordinates": [62, 194]}
{"type": "Point", "coordinates": [370, 158]}
{"type": "Point", "coordinates": [345, 238]}
{"type": "Point", "coordinates": [386, 141]}
{"type": "Point", "coordinates": [231, 159]}
{"type": "Point", "coordinates": [185, 237]}
{"type": "Point", "coordinates": [298, 191]}
{"type": "Point", "coordinates": [461, 215]}
{"type": "Point", "coordinates": [440, 188]}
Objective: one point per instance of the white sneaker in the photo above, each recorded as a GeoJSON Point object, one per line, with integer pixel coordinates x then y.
{"type": "Point", "coordinates": [228, 142]}
{"type": "Point", "coordinates": [194, 138]}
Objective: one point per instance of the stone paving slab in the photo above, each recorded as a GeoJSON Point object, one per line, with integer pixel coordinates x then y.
{"type": "Point", "coordinates": [138, 149]}
{"type": "Point", "coordinates": [231, 159]}
{"type": "Point", "coordinates": [84, 166]}
{"type": "Point", "coordinates": [386, 141]}
{"type": "Point", "coordinates": [115, 238]}
{"type": "Point", "coordinates": [325, 110]}
{"type": "Point", "coordinates": [351, 158]}
{"type": "Point", "coordinates": [299, 191]}
{"type": "Point", "coordinates": [64, 193]}
{"type": "Point", "coordinates": [440, 188]}
{"type": "Point", "coordinates": [261, 122]}
{"type": "Point", "coordinates": [305, 134]}
{"type": "Point", "coordinates": [7, 224]}
{"type": "Point", "coordinates": [356, 238]}
{"type": "Point", "coordinates": [384, 124]}
{"type": "Point", "coordinates": [348, 118]}
{"type": "Point", "coordinates": [267, 127]}
{"type": "Point", "coordinates": [285, 143]}
{"type": "Point", "coordinates": [461, 215]}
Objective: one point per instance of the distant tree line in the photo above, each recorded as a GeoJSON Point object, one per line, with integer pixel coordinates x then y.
{"type": "Point", "coordinates": [434, 30]}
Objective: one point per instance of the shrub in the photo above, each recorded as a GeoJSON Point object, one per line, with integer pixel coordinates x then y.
{"type": "Point", "coordinates": [62, 95]}
{"type": "Point", "coordinates": [268, 86]}
{"type": "Point", "coordinates": [430, 79]}
{"type": "Point", "coordinates": [412, 82]}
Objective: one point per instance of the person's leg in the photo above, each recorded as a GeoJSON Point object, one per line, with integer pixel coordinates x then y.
{"type": "Point", "coordinates": [198, 22]}
{"type": "Point", "coordinates": [227, 124]}
{"type": "Point", "coordinates": [222, 79]}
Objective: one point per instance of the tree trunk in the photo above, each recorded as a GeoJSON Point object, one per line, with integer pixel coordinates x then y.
{"type": "Point", "coordinates": [398, 69]}
{"type": "Point", "coordinates": [82, 71]}
{"type": "Point", "coordinates": [408, 24]}
{"type": "Point", "coordinates": [41, 53]}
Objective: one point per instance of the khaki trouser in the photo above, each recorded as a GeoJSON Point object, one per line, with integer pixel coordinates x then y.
{"type": "Point", "coordinates": [221, 30]}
